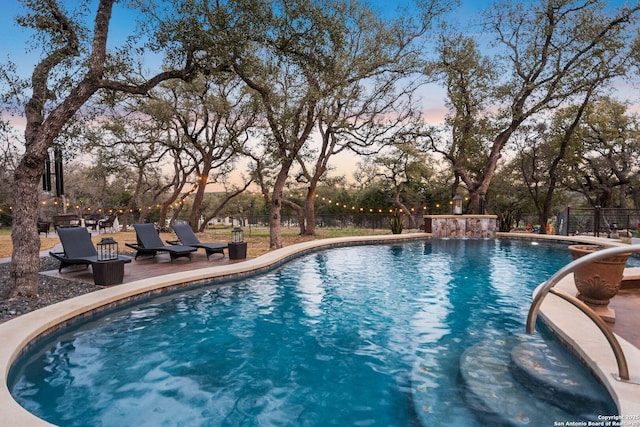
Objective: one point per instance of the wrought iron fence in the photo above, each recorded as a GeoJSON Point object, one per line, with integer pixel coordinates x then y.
{"type": "Point", "coordinates": [598, 221]}
{"type": "Point", "coordinates": [571, 221]}
{"type": "Point", "coordinates": [351, 220]}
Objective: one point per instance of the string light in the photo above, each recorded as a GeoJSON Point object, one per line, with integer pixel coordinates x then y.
{"type": "Point", "coordinates": [180, 203]}
{"type": "Point", "coordinates": [355, 208]}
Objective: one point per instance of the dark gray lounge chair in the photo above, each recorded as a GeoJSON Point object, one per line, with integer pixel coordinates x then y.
{"type": "Point", "coordinates": [149, 243]}
{"type": "Point", "coordinates": [78, 248]}
{"type": "Point", "coordinates": [187, 237]}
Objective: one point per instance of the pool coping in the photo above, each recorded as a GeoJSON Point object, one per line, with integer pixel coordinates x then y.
{"type": "Point", "coordinates": [589, 343]}
{"type": "Point", "coordinates": [19, 333]}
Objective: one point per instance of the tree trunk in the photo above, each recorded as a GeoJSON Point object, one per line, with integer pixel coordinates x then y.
{"type": "Point", "coordinates": [142, 215]}
{"type": "Point", "coordinates": [25, 259]}
{"type": "Point", "coordinates": [43, 125]}
{"type": "Point", "coordinates": [474, 203]}
{"type": "Point", "coordinates": [622, 190]}
{"type": "Point", "coordinates": [275, 213]}
{"type": "Point", "coordinates": [300, 213]}
{"type": "Point", "coordinates": [164, 208]}
{"type": "Point", "coordinates": [310, 211]}
{"type": "Point", "coordinates": [544, 220]}
{"type": "Point", "coordinates": [39, 136]}
{"type": "Point", "coordinates": [275, 227]}
{"type": "Point", "coordinates": [124, 220]}
{"type": "Point", "coordinates": [194, 218]}
{"type": "Point", "coordinates": [406, 212]}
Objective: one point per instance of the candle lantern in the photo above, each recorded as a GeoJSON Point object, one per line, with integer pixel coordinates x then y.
{"type": "Point", "coordinates": [237, 235]}
{"type": "Point", "coordinates": [237, 247]}
{"type": "Point", "coordinates": [457, 204]}
{"type": "Point", "coordinates": [107, 249]}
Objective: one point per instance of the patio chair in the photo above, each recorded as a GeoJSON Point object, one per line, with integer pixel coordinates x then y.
{"type": "Point", "coordinates": [105, 223]}
{"type": "Point", "coordinates": [149, 243]}
{"type": "Point", "coordinates": [91, 221]}
{"type": "Point", "coordinates": [66, 220]}
{"type": "Point", "coordinates": [43, 227]}
{"type": "Point", "coordinates": [78, 248]}
{"type": "Point", "coordinates": [187, 237]}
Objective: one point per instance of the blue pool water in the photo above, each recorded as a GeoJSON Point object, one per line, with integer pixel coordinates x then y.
{"type": "Point", "coordinates": [330, 338]}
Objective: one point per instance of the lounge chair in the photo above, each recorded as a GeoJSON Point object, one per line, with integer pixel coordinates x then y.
{"type": "Point", "coordinates": [43, 227]}
{"type": "Point", "coordinates": [149, 243]}
{"type": "Point", "coordinates": [78, 248]}
{"type": "Point", "coordinates": [66, 220]}
{"type": "Point", "coordinates": [187, 237]}
{"type": "Point", "coordinates": [105, 223]}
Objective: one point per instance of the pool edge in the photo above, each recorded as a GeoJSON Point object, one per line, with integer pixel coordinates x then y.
{"type": "Point", "coordinates": [18, 333]}
{"type": "Point", "coordinates": [586, 340]}
{"type": "Point", "coordinates": [589, 343]}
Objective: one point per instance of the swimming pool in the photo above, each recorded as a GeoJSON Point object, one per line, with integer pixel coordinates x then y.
{"type": "Point", "coordinates": [329, 338]}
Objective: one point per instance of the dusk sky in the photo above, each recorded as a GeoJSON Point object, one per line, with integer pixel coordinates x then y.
{"type": "Point", "coordinates": [14, 40]}
{"type": "Point", "coordinates": [14, 46]}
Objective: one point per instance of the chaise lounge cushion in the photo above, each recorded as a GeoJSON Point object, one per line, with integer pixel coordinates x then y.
{"type": "Point", "coordinates": [149, 243]}
{"type": "Point", "coordinates": [77, 248]}
{"type": "Point", "coordinates": [187, 237]}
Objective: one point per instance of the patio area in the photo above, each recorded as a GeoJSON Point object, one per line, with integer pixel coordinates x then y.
{"type": "Point", "coordinates": [149, 267]}
{"type": "Point", "coordinates": [627, 307]}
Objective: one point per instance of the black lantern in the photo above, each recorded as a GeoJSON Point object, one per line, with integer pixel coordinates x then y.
{"type": "Point", "coordinates": [457, 204]}
{"type": "Point", "coordinates": [237, 235]}
{"type": "Point", "coordinates": [107, 249]}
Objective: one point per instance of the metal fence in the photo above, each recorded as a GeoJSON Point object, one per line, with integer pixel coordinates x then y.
{"type": "Point", "coordinates": [597, 221]}
{"type": "Point", "coordinates": [571, 221]}
{"type": "Point", "coordinates": [352, 220]}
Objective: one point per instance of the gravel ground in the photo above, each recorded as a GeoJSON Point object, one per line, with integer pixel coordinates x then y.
{"type": "Point", "coordinates": [50, 291]}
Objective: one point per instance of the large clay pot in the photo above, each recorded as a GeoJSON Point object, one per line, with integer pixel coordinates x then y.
{"type": "Point", "coordinates": [598, 281]}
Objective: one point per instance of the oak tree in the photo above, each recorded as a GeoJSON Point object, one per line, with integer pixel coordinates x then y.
{"type": "Point", "coordinates": [547, 54]}
{"type": "Point", "coordinates": [75, 65]}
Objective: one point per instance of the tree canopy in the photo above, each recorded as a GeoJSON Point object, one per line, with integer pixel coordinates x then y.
{"type": "Point", "coordinates": [285, 88]}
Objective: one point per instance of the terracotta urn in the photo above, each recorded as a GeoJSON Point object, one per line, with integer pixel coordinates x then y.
{"type": "Point", "coordinates": [598, 281]}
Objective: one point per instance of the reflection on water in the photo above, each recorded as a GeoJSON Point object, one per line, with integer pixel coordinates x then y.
{"type": "Point", "coordinates": [330, 338]}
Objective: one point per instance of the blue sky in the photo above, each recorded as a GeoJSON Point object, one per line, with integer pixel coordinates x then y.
{"type": "Point", "coordinates": [14, 40]}
{"type": "Point", "coordinates": [14, 45]}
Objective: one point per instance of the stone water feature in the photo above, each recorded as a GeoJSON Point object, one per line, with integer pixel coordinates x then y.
{"type": "Point", "coordinates": [461, 226]}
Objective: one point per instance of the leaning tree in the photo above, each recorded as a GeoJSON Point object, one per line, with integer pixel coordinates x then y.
{"type": "Point", "coordinates": [75, 66]}
{"type": "Point", "coordinates": [296, 54]}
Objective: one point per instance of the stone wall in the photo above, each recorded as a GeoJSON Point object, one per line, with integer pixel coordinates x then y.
{"type": "Point", "coordinates": [461, 226]}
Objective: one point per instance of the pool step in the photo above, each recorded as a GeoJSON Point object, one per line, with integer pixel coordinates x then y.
{"type": "Point", "coordinates": [495, 395]}
{"type": "Point", "coordinates": [553, 375]}
{"type": "Point", "coordinates": [521, 381]}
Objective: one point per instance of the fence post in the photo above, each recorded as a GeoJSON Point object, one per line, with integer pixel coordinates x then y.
{"type": "Point", "coordinates": [628, 224]}
{"type": "Point", "coordinates": [596, 221]}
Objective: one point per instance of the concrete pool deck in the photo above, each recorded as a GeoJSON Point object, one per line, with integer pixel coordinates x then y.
{"type": "Point", "coordinates": [146, 279]}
